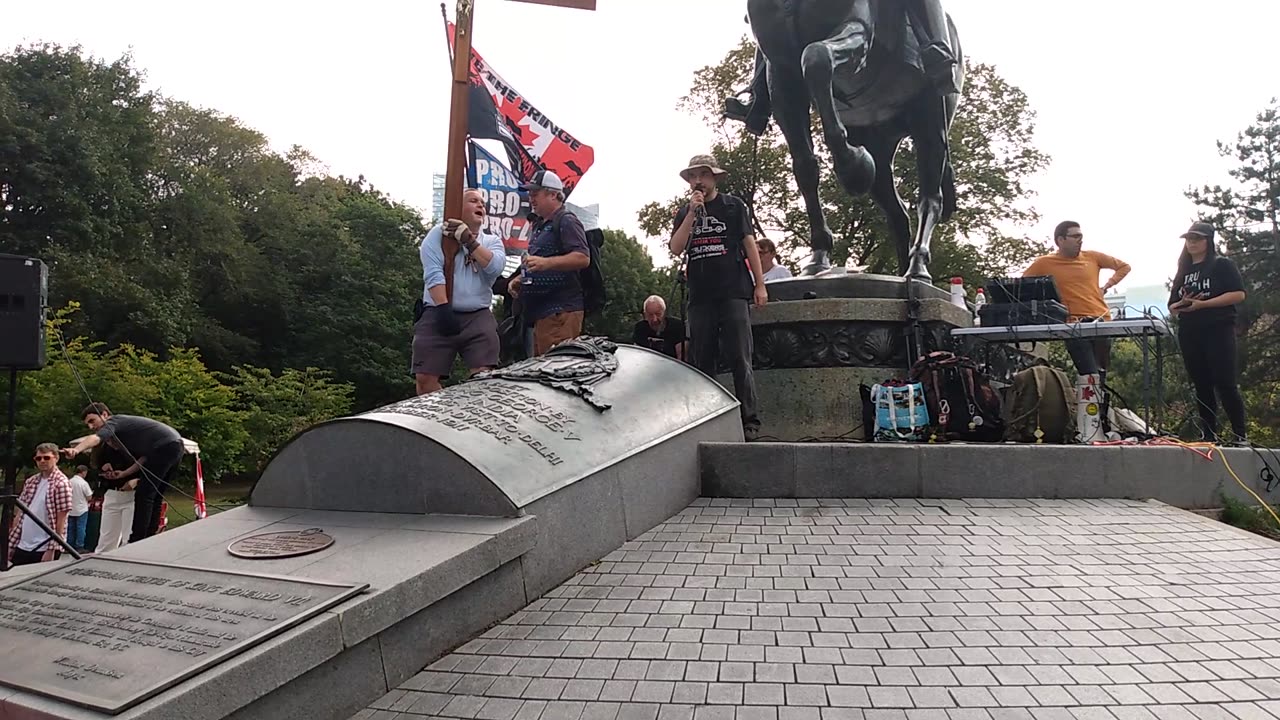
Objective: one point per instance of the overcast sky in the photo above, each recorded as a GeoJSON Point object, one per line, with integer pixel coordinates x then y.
{"type": "Point", "coordinates": [1131, 94]}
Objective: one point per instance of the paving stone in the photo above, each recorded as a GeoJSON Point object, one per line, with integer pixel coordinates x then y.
{"type": "Point", "coordinates": [784, 609]}
{"type": "Point", "coordinates": [764, 693]}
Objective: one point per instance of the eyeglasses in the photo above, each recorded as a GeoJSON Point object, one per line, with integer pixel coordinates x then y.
{"type": "Point", "coordinates": [46, 457]}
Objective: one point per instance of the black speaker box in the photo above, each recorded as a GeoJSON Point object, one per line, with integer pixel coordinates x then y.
{"type": "Point", "coordinates": [24, 296]}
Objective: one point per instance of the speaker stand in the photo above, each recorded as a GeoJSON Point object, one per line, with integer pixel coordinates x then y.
{"type": "Point", "coordinates": [9, 499]}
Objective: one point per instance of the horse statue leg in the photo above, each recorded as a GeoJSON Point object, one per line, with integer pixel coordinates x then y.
{"type": "Point", "coordinates": [791, 111]}
{"type": "Point", "coordinates": [854, 166]}
{"type": "Point", "coordinates": [883, 145]}
{"type": "Point", "coordinates": [929, 135]}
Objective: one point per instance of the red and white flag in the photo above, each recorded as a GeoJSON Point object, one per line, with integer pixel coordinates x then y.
{"type": "Point", "coordinates": [533, 141]}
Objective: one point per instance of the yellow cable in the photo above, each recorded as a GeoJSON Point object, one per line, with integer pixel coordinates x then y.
{"type": "Point", "coordinates": [1262, 502]}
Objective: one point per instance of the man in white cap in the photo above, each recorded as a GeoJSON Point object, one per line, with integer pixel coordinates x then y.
{"type": "Point", "coordinates": [548, 281]}
{"type": "Point", "coordinates": [715, 229]}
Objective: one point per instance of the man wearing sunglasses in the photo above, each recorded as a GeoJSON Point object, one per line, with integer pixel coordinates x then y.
{"type": "Point", "coordinates": [1077, 273]}
{"type": "Point", "coordinates": [48, 494]}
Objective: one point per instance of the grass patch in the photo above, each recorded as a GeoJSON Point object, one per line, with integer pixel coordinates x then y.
{"type": "Point", "coordinates": [182, 508]}
{"type": "Point", "coordinates": [1253, 518]}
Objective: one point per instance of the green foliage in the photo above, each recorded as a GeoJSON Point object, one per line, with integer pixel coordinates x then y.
{"type": "Point", "coordinates": [1253, 518]}
{"type": "Point", "coordinates": [238, 420]}
{"type": "Point", "coordinates": [1246, 212]}
{"type": "Point", "coordinates": [177, 226]}
{"type": "Point", "coordinates": [993, 151]}
{"type": "Point", "coordinates": [274, 408]}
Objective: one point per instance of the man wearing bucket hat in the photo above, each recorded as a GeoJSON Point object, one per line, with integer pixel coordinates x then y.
{"type": "Point", "coordinates": [1204, 295]}
{"type": "Point", "coordinates": [715, 229]}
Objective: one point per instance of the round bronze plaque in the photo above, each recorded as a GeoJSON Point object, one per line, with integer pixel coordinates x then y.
{"type": "Point", "coordinates": [286, 544]}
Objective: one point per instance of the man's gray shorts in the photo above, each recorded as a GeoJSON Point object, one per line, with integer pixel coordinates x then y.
{"type": "Point", "coordinates": [433, 353]}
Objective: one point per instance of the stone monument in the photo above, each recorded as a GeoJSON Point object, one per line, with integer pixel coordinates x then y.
{"type": "Point", "coordinates": [820, 338]}
{"type": "Point", "coordinates": [371, 546]}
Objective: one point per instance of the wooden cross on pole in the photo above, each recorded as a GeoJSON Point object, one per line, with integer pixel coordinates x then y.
{"type": "Point", "coordinates": [458, 107]}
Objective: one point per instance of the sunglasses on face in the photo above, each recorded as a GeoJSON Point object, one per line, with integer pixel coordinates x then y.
{"type": "Point", "coordinates": [46, 457]}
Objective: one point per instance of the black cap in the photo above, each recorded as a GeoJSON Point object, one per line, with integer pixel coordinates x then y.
{"type": "Point", "coordinates": [1203, 229]}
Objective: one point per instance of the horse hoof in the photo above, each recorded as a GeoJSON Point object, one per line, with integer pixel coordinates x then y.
{"type": "Point", "coordinates": [856, 170]}
{"type": "Point", "coordinates": [819, 263]}
{"type": "Point", "coordinates": [919, 271]}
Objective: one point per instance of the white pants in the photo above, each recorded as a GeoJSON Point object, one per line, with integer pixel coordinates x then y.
{"type": "Point", "coordinates": [117, 520]}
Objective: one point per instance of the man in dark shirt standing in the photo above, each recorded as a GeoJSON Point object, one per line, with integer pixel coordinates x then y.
{"type": "Point", "coordinates": [548, 283]}
{"type": "Point", "coordinates": [715, 230]}
{"type": "Point", "coordinates": [154, 449]}
{"type": "Point", "coordinates": [659, 332]}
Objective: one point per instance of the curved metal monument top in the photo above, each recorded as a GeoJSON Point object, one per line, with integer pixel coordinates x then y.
{"type": "Point", "coordinates": [499, 441]}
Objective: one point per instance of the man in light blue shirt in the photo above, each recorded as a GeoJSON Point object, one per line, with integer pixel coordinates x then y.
{"type": "Point", "coordinates": [466, 326]}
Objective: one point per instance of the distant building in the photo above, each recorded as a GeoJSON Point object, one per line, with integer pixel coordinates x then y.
{"type": "Point", "coordinates": [437, 197]}
{"type": "Point", "coordinates": [1116, 301]}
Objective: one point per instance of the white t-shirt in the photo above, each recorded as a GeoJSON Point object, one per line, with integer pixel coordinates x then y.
{"type": "Point", "coordinates": [777, 272]}
{"type": "Point", "coordinates": [33, 538]}
{"type": "Point", "coordinates": [81, 496]}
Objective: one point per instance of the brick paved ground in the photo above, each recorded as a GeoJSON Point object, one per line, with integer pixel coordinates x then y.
{"type": "Point", "coordinates": [844, 610]}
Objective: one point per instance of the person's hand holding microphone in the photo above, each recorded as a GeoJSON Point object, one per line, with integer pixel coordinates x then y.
{"type": "Point", "coordinates": [697, 203]}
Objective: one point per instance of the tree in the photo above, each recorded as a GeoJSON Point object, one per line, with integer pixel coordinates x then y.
{"type": "Point", "coordinates": [629, 278]}
{"type": "Point", "coordinates": [992, 145]}
{"type": "Point", "coordinates": [239, 419]}
{"type": "Point", "coordinates": [274, 408]}
{"type": "Point", "coordinates": [1246, 213]}
{"type": "Point", "coordinates": [177, 226]}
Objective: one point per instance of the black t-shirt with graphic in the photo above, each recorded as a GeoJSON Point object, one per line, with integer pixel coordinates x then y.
{"type": "Point", "coordinates": [717, 258]}
{"type": "Point", "coordinates": [664, 342]}
{"type": "Point", "coordinates": [1204, 281]}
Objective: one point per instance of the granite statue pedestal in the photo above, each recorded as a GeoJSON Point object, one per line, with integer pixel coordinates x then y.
{"type": "Point", "coordinates": [820, 338]}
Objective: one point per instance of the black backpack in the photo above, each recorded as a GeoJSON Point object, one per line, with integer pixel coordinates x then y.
{"type": "Point", "coordinates": [591, 278]}
{"type": "Point", "coordinates": [594, 296]}
{"type": "Point", "coordinates": [962, 404]}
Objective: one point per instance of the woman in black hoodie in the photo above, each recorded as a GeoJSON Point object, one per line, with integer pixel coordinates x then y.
{"type": "Point", "coordinates": [1205, 294]}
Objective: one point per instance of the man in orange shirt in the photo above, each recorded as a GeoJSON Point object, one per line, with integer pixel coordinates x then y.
{"type": "Point", "coordinates": [1076, 273]}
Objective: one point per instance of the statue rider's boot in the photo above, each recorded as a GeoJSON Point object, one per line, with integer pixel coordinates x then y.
{"type": "Point", "coordinates": [756, 111]}
{"type": "Point", "coordinates": [750, 113]}
{"type": "Point", "coordinates": [940, 67]}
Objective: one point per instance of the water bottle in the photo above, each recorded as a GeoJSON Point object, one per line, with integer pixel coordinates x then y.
{"type": "Point", "coordinates": [978, 302]}
{"type": "Point", "coordinates": [957, 293]}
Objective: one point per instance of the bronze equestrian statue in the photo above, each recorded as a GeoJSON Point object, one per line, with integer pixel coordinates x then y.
{"type": "Point", "coordinates": [877, 71]}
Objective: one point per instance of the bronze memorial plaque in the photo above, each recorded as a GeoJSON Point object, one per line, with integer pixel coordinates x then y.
{"type": "Point", "coordinates": [290, 543]}
{"type": "Point", "coordinates": [107, 634]}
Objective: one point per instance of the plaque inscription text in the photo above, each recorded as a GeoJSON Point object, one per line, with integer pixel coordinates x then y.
{"type": "Point", "coordinates": [290, 543]}
{"type": "Point", "coordinates": [508, 413]}
{"type": "Point", "coordinates": [108, 634]}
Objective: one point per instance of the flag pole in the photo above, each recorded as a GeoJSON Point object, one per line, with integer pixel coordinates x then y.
{"type": "Point", "coordinates": [457, 156]}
